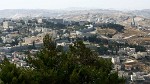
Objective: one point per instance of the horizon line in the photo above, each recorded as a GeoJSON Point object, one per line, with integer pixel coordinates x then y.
{"type": "Point", "coordinates": [74, 8]}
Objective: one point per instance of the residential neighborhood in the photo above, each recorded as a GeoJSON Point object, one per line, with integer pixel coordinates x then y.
{"type": "Point", "coordinates": [19, 37]}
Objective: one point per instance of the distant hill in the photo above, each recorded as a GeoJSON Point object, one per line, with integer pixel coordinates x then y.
{"type": "Point", "coordinates": [12, 13]}
{"type": "Point", "coordinates": [9, 13]}
{"type": "Point", "coordinates": [145, 13]}
{"type": "Point", "coordinates": [16, 13]}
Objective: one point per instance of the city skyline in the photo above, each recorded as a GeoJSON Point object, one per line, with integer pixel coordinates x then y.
{"type": "Point", "coordinates": [64, 4]}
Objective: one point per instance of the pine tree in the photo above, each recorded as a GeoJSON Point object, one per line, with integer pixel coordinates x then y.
{"type": "Point", "coordinates": [79, 65]}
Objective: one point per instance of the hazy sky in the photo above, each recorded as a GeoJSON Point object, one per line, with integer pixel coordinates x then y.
{"type": "Point", "coordinates": [62, 4]}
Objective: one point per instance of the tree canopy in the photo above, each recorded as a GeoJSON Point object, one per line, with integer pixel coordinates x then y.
{"type": "Point", "coordinates": [117, 27]}
{"type": "Point", "coordinates": [79, 65]}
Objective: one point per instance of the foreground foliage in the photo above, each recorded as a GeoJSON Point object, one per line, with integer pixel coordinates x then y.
{"type": "Point", "coordinates": [77, 66]}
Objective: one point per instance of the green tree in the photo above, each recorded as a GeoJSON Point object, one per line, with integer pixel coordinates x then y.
{"type": "Point", "coordinates": [79, 65]}
{"type": "Point", "coordinates": [10, 74]}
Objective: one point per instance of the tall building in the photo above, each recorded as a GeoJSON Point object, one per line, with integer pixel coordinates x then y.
{"type": "Point", "coordinates": [41, 20]}
{"type": "Point", "coordinates": [133, 22]}
{"type": "Point", "coordinates": [61, 21]}
{"type": "Point", "coordinates": [8, 24]}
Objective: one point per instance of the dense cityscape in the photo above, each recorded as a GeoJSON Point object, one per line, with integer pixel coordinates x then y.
{"type": "Point", "coordinates": [83, 46]}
